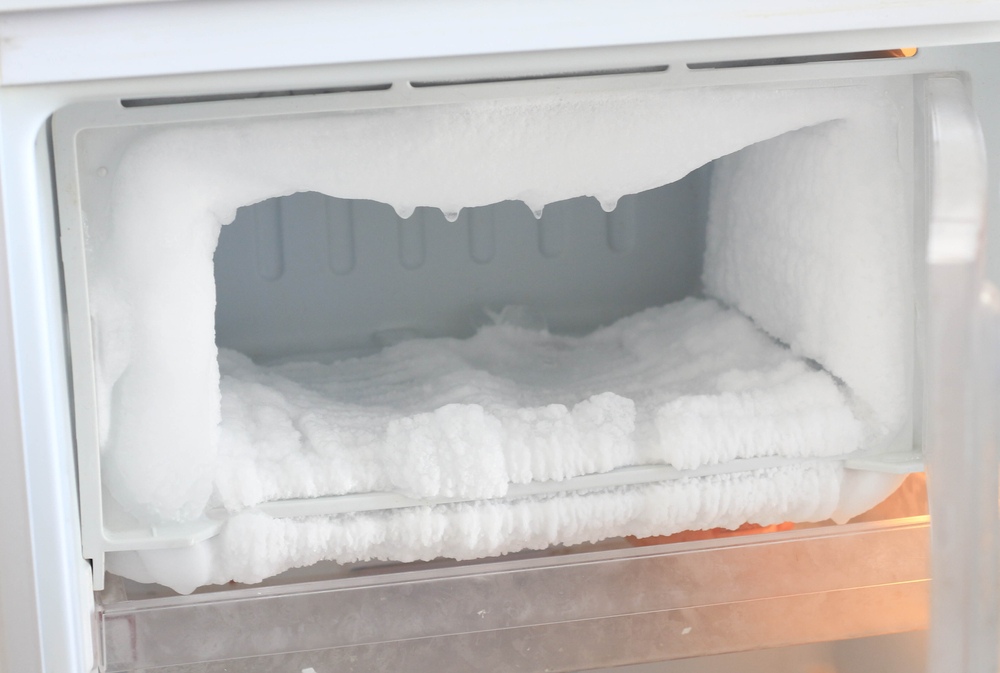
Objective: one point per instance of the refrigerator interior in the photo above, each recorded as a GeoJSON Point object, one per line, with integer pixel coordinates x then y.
{"type": "Point", "coordinates": [308, 277]}
{"type": "Point", "coordinates": [277, 259]}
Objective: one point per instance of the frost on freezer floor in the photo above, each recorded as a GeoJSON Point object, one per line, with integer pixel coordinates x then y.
{"type": "Point", "coordinates": [689, 384]}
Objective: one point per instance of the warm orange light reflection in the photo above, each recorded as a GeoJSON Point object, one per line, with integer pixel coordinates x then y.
{"type": "Point", "coordinates": [909, 500]}
{"type": "Point", "coordinates": [904, 53]}
{"type": "Point", "coordinates": [714, 533]}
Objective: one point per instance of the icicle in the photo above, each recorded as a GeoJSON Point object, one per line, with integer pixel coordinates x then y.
{"type": "Point", "coordinates": [609, 205]}
{"type": "Point", "coordinates": [404, 212]}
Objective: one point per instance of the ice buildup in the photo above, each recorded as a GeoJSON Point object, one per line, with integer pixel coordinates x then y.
{"type": "Point", "coordinates": [801, 349]}
{"type": "Point", "coordinates": [688, 384]}
{"type": "Point", "coordinates": [253, 546]}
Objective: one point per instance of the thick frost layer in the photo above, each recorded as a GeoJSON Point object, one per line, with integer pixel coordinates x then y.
{"type": "Point", "coordinates": [807, 235]}
{"type": "Point", "coordinates": [687, 384]}
{"type": "Point", "coordinates": [253, 546]}
{"type": "Point", "coordinates": [150, 263]}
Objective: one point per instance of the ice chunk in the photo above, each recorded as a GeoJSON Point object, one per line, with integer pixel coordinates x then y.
{"type": "Point", "coordinates": [453, 452]}
{"type": "Point", "coordinates": [790, 409]}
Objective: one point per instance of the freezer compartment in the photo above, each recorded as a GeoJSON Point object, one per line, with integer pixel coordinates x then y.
{"type": "Point", "coordinates": [799, 230]}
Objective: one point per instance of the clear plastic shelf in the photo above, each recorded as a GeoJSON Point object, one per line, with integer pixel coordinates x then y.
{"type": "Point", "coordinates": [558, 612]}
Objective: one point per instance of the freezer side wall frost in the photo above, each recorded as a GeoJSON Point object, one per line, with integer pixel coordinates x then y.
{"type": "Point", "coordinates": [808, 235]}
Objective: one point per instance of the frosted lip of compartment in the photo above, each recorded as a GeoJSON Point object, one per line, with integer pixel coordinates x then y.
{"type": "Point", "coordinates": [151, 262]}
{"type": "Point", "coordinates": [253, 546]}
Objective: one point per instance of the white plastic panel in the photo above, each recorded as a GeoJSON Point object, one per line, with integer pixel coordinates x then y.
{"type": "Point", "coordinates": [960, 444]}
{"type": "Point", "coordinates": [199, 37]}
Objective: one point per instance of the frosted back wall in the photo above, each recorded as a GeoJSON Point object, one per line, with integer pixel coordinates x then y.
{"type": "Point", "coordinates": [151, 261]}
{"type": "Point", "coordinates": [808, 235]}
{"type": "Point", "coordinates": [352, 276]}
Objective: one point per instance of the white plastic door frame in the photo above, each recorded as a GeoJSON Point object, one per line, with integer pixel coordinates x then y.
{"type": "Point", "coordinates": [960, 451]}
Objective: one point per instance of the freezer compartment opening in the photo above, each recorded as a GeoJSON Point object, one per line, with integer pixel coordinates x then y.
{"type": "Point", "coordinates": [715, 336]}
